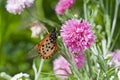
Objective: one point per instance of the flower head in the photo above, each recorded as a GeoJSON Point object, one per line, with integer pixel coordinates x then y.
{"type": "Point", "coordinates": [20, 76]}
{"type": "Point", "coordinates": [77, 35]}
{"type": "Point", "coordinates": [79, 60]}
{"type": "Point", "coordinates": [37, 28]}
{"type": "Point", "coordinates": [63, 5]}
{"type": "Point", "coordinates": [115, 61]}
{"type": "Point", "coordinates": [61, 67]}
{"type": "Point", "coordinates": [28, 3]}
{"type": "Point", "coordinates": [17, 6]}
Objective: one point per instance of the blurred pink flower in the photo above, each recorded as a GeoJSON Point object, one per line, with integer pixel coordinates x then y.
{"type": "Point", "coordinates": [79, 60]}
{"type": "Point", "coordinates": [62, 5]}
{"type": "Point", "coordinates": [115, 61]}
{"type": "Point", "coordinates": [61, 67]}
{"type": "Point", "coordinates": [17, 6]}
{"type": "Point", "coordinates": [28, 3]}
{"type": "Point", "coordinates": [77, 35]}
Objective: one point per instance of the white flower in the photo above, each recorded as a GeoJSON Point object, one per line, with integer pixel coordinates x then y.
{"type": "Point", "coordinates": [17, 6]}
{"type": "Point", "coordinates": [5, 75]}
{"type": "Point", "coordinates": [20, 76]}
{"type": "Point", "coordinates": [27, 3]}
{"type": "Point", "coordinates": [37, 28]}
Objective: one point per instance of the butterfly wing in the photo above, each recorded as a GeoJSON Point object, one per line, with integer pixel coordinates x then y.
{"type": "Point", "coordinates": [32, 53]}
{"type": "Point", "coordinates": [47, 46]}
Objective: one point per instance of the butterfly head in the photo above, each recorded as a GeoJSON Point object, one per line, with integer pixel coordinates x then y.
{"type": "Point", "coordinates": [53, 36]}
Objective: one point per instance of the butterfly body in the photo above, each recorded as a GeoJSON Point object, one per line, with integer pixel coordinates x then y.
{"type": "Point", "coordinates": [47, 46]}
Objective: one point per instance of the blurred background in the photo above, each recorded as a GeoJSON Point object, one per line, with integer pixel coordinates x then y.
{"type": "Point", "coordinates": [15, 34]}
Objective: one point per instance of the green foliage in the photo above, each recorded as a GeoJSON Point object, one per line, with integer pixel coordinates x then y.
{"type": "Point", "coordinates": [16, 41]}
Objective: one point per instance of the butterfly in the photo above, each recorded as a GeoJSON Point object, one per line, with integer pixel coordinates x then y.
{"type": "Point", "coordinates": [47, 47]}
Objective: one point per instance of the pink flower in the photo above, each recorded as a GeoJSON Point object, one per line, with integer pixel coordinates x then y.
{"type": "Point", "coordinates": [61, 67]}
{"type": "Point", "coordinates": [79, 60]}
{"type": "Point", "coordinates": [77, 35]}
{"type": "Point", "coordinates": [63, 5]}
{"type": "Point", "coordinates": [28, 3]}
{"type": "Point", "coordinates": [115, 61]}
{"type": "Point", "coordinates": [17, 6]}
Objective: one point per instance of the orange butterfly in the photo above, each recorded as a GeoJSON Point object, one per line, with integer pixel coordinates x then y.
{"type": "Point", "coordinates": [47, 47]}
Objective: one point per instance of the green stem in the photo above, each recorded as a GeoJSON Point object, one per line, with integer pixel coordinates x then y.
{"type": "Point", "coordinates": [73, 65]}
{"type": "Point", "coordinates": [40, 68]}
{"type": "Point", "coordinates": [35, 69]}
{"type": "Point", "coordinates": [37, 73]}
{"type": "Point", "coordinates": [117, 36]}
{"type": "Point", "coordinates": [115, 18]}
{"type": "Point", "coordinates": [102, 5]}
{"type": "Point", "coordinates": [98, 75]}
{"type": "Point", "coordinates": [85, 9]}
{"type": "Point", "coordinates": [114, 23]}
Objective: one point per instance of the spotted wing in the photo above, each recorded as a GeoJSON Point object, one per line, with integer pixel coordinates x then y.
{"type": "Point", "coordinates": [47, 47]}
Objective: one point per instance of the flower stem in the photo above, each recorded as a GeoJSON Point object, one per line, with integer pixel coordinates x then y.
{"type": "Point", "coordinates": [114, 22]}
{"type": "Point", "coordinates": [39, 70]}
{"type": "Point", "coordinates": [85, 9]}
{"type": "Point", "coordinates": [37, 73]}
